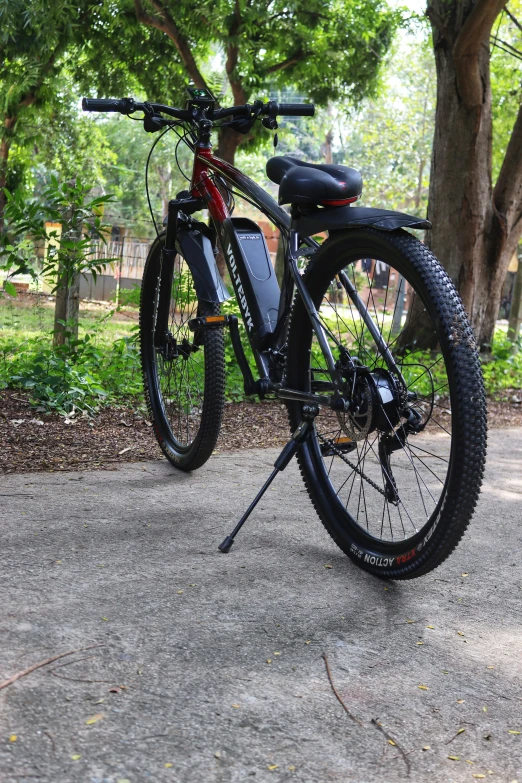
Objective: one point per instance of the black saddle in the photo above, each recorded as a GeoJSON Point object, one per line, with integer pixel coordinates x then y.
{"type": "Point", "coordinates": [308, 183]}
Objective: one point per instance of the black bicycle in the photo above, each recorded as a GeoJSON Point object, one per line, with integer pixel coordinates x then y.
{"type": "Point", "coordinates": [366, 341]}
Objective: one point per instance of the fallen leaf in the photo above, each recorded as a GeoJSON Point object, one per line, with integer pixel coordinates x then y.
{"type": "Point", "coordinates": [460, 701]}
{"type": "Point", "coordinates": [269, 660]}
{"type": "Point", "coordinates": [454, 758]}
{"type": "Point", "coordinates": [291, 768]}
{"type": "Point", "coordinates": [124, 451]}
{"type": "Point", "coordinates": [461, 731]}
{"type": "Point", "coordinates": [419, 642]}
{"type": "Point", "coordinates": [308, 641]}
{"type": "Point", "coordinates": [490, 667]}
{"type": "Point", "coordinates": [391, 742]}
{"type": "Point", "coordinates": [58, 562]}
{"type": "Point", "coordinates": [513, 731]}
{"type": "Point", "coordinates": [105, 619]}
{"type": "Point", "coordinates": [410, 621]}
{"type": "Point", "coordinates": [326, 565]}
{"type": "Point", "coordinates": [273, 766]}
{"type": "Point", "coordinates": [423, 687]}
{"type": "Point", "coordinates": [217, 754]}
{"type": "Point", "coordinates": [464, 574]}
{"type": "Point", "coordinates": [427, 747]}
{"type": "Point", "coordinates": [431, 627]}
{"type": "Point", "coordinates": [478, 775]}
{"type": "Point", "coordinates": [487, 736]}
{"type": "Point", "coordinates": [484, 709]}
{"type": "Point", "coordinates": [277, 653]}
{"type": "Point", "coordinates": [124, 780]}
{"type": "Point", "coordinates": [168, 765]}
{"type": "Point", "coordinates": [468, 761]}
{"type": "Point", "coordinates": [13, 738]}
{"type": "Point", "coordinates": [76, 757]}
{"type": "Point", "coordinates": [114, 690]}
{"type": "Point", "coordinates": [236, 706]}
{"type": "Point", "coordinates": [193, 584]}
{"type": "Point", "coordinates": [94, 718]}
{"type": "Point", "coordinates": [180, 592]}
{"type": "Point", "coordinates": [460, 633]}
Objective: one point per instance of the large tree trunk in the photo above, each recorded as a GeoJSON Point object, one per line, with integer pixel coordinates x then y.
{"type": "Point", "coordinates": [228, 142]}
{"type": "Point", "coordinates": [473, 235]}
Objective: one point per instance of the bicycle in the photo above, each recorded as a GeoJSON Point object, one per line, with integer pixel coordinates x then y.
{"type": "Point", "coordinates": [368, 345]}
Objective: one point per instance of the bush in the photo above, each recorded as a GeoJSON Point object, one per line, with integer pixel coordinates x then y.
{"type": "Point", "coordinates": [81, 375]}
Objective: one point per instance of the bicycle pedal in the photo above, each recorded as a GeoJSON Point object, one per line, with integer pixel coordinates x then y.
{"type": "Point", "coordinates": [207, 322]}
{"type": "Point", "coordinates": [343, 445]}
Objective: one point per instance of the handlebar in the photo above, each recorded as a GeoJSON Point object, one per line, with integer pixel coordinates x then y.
{"type": "Point", "coordinates": [128, 106]}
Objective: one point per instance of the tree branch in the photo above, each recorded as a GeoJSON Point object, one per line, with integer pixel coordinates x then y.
{"type": "Point", "coordinates": [507, 194]}
{"type": "Point", "coordinates": [164, 22]}
{"type": "Point", "coordinates": [513, 18]}
{"type": "Point", "coordinates": [436, 19]}
{"type": "Point", "coordinates": [474, 33]}
{"type": "Point", "coordinates": [293, 60]}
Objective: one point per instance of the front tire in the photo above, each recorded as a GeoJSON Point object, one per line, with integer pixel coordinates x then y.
{"type": "Point", "coordinates": [406, 531]}
{"type": "Point", "coordinates": [183, 372]}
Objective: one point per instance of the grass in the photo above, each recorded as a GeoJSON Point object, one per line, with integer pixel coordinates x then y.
{"type": "Point", "coordinates": [103, 367]}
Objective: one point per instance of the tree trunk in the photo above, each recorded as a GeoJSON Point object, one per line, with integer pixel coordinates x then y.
{"type": "Point", "coordinates": [5, 146]}
{"type": "Point", "coordinates": [228, 142]}
{"type": "Point", "coordinates": [474, 227]}
{"type": "Point", "coordinates": [515, 313]}
{"type": "Point", "coordinates": [66, 309]}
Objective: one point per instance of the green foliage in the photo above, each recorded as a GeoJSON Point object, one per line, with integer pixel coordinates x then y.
{"type": "Point", "coordinates": [69, 252]}
{"type": "Point", "coordinates": [503, 369]}
{"type": "Point", "coordinates": [128, 297]}
{"type": "Point", "coordinates": [506, 81]}
{"type": "Point", "coordinates": [81, 375]}
{"type": "Point", "coordinates": [234, 385]}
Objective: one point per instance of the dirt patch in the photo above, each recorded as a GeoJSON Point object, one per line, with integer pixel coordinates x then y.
{"type": "Point", "coordinates": [32, 441]}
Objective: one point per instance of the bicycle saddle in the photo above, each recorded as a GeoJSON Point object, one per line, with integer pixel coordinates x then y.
{"type": "Point", "coordinates": [309, 183]}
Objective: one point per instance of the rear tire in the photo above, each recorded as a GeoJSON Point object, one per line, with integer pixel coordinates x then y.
{"type": "Point", "coordinates": [452, 483]}
{"type": "Point", "coordinates": [185, 395]}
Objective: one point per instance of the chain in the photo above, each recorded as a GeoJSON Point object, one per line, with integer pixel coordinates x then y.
{"type": "Point", "coordinates": [339, 453]}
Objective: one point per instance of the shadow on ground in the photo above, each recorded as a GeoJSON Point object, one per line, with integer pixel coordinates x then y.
{"type": "Point", "coordinates": [221, 656]}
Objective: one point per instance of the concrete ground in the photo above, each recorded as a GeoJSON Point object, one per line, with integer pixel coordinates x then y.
{"type": "Point", "coordinates": [221, 656]}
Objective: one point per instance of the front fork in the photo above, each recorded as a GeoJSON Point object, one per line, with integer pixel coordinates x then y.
{"type": "Point", "coordinates": [165, 277]}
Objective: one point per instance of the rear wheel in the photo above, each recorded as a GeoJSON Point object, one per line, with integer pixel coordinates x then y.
{"type": "Point", "coordinates": [394, 477]}
{"type": "Point", "coordinates": [183, 371]}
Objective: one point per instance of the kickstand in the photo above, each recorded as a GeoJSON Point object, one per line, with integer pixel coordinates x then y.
{"type": "Point", "coordinates": [299, 437]}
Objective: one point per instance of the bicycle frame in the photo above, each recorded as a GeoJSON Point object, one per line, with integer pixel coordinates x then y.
{"type": "Point", "coordinates": [266, 339]}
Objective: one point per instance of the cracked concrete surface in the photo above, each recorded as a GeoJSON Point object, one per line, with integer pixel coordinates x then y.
{"type": "Point", "coordinates": [221, 656]}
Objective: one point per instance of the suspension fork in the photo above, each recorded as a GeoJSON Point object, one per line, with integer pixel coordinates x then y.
{"type": "Point", "coordinates": [166, 275]}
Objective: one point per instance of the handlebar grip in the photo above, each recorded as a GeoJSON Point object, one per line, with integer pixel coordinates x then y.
{"type": "Point", "coordinates": [123, 105]}
{"type": "Point", "coordinates": [296, 109]}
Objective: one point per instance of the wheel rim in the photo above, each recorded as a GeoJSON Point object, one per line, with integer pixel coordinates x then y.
{"type": "Point", "coordinates": [390, 484]}
{"type": "Point", "coordinates": [179, 362]}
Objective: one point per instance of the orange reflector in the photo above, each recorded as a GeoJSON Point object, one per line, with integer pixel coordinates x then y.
{"type": "Point", "coordinates": [343, 440]}
{"type": "Point", "coordinates": [213, 319]}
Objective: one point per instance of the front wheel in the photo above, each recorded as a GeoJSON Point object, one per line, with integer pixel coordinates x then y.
{"type": "Point", "coordinates": [396, 474]}
{"type": "Point", "coordinates": [183, 371]}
